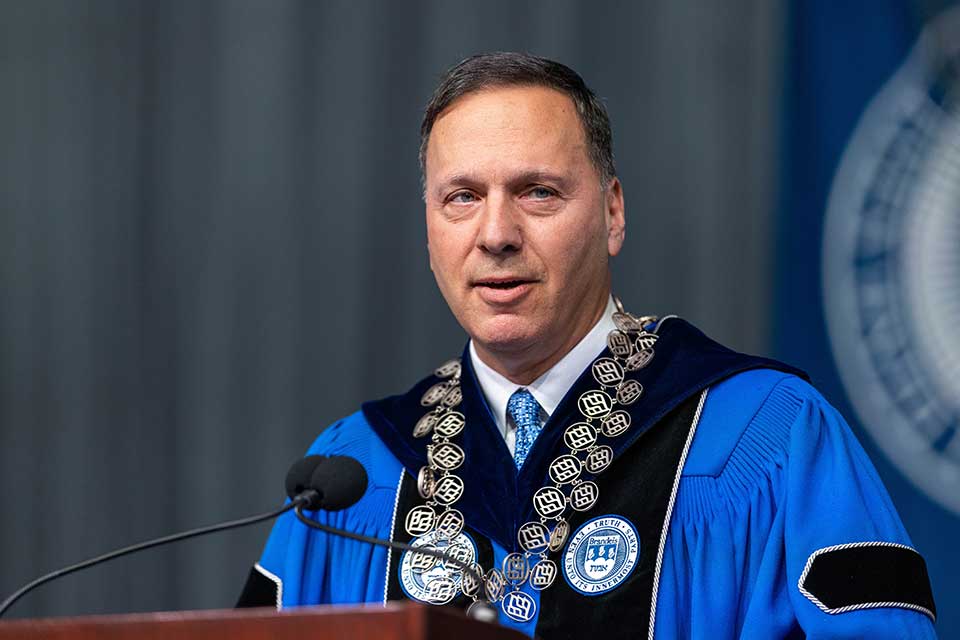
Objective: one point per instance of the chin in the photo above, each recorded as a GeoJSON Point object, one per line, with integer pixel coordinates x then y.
{"type": "Point", "coordinates": [506, 334]}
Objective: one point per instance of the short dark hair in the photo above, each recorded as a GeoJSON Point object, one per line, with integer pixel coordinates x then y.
{"type": "Point", "coordinates": [500, 69]}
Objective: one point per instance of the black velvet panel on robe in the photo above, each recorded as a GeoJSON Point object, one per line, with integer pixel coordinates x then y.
{"type": "Point", "coordinates": [640, 498]}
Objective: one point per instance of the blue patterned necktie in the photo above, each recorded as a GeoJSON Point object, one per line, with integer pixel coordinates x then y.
{"type": "Point", "coordinates": [525, 411]}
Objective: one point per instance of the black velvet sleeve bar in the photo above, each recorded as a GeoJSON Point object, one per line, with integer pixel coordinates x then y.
{"type": "Point", "coordinates": [846, 578]}
{"type": "Point", "coordinates": [259, 591]}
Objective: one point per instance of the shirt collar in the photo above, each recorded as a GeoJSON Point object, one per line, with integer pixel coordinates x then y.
{"type": "Point", "coordinates": [550, 388]}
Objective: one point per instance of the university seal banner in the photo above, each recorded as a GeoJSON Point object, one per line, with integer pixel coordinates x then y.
{"type": "Point", "coordinates": [868, 278]}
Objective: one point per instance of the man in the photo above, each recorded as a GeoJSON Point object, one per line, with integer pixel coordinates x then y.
{"type": "Point", "coordinates": [605, 472]}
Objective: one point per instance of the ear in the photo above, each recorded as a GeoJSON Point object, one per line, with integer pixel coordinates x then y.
{"type": "Point", "coordinates": [614, 216]}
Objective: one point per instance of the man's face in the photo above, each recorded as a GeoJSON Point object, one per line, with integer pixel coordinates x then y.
{"type": "Point", "coordinates": [518, 227]}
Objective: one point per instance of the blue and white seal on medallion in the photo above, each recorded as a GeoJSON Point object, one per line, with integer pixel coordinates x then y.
{"type": "Point", "coordinates": [601, 555]}
{"type": "Point", "coordinates": [431, 580]}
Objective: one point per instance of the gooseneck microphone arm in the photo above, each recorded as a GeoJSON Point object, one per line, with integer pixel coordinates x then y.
{"type": "Point", "coordinates": [330, 483]}
{"type": "Point", "coordinates": [390, 544]}
{"type": "Point", "coordinates": [297, 501]}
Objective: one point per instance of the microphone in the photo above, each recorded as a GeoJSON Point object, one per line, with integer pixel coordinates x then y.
{"type": "Point", "coordinates": [332, 483]}
{"type": "Point", "coordinates": [298, 477]}
{"type": "Point", "coordinates": [299, 487]}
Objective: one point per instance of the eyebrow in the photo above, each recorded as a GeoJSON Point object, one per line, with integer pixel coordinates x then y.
{"type": "Point", "coordinates": [467, 179]}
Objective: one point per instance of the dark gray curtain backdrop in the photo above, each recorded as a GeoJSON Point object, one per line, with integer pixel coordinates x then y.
{"type": "Point", "coordinates": [212, 246]}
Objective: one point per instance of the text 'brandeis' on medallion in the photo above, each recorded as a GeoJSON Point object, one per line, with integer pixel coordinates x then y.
{"type": "Point", "coordinates": [601, 555]}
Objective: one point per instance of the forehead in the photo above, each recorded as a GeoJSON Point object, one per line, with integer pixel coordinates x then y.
{"type": "Point", "coordinates": [500, 128]}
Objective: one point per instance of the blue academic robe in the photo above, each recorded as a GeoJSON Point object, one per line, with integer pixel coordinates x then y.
{"type": "Point", "coordinates": [773, 475]}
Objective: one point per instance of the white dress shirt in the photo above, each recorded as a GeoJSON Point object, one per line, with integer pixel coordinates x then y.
{"type": "Point", "coordinates": [550, 388]}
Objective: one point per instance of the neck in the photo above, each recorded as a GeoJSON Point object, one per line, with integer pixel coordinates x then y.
{"type": "Point", "coordinates": [524, 366]}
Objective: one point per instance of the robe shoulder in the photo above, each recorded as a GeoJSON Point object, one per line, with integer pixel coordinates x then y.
{"type": "Point", "coordinates": [777, 494]}
{"type": "Point", "coordinates": [731, 407]}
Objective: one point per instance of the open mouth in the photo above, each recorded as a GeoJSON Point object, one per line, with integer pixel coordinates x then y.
{"type": "Point", "coordinates": [507, 284]}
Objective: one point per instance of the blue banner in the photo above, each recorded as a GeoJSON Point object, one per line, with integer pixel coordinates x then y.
{"type": "Point", "coordinates": [867, 284]}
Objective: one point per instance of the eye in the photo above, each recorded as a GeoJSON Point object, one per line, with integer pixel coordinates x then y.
{"type": "Point", "coordinates": [462, 197]}
{"type": "Point", "coordinates": [541, 193]}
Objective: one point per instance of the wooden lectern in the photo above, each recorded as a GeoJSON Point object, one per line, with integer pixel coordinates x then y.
{"type": "Point", "coordinates": [396, 621]}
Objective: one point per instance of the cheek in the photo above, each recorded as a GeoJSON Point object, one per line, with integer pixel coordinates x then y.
{"type": "Point", "coordinates": [576, 249]}
{"type": "Point", "coordinates": [450, 244]}
{"type": "Point", "coordinates": [436, 242]}
{"type": "Point", "coordinates": [440, 251]}
{"type": "Point", "coordinates": [447, 257]}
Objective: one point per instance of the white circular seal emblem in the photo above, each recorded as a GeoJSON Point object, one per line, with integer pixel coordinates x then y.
{"type": "Point", "coordinates": [891, 266]}
{"type": "Point", "coordinates": [434, 581]}
{"type": "Point", "coordinates": [602, 554]}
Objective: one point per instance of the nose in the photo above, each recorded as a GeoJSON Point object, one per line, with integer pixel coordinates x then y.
{"type": "Point", "coordinates": [500, 230]}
